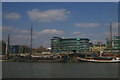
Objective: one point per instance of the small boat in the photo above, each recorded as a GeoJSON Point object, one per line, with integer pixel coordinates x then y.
{"type": "Point", "coordinates": [100, 59]}
{"type": "Point", "coordinates": [4, 58]}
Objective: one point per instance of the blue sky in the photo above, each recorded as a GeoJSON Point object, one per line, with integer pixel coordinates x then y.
{"type": "Point", "coordinates": [63, 19]}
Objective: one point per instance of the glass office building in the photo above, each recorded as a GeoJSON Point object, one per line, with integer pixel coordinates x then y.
{"type": "Point", "coordinates": [70, 44]}
{"type": "Point", "coordinates": [115, 44]}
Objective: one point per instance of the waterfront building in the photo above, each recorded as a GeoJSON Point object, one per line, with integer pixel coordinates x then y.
{"type": "Point", "coordinates": [78, 45]}
{"type": "Point", "coordinates": [2, 48]}
{"type": "Point", "coordinates": [115, 45]}
{"type": "Point", "coordinates": [15, 49]}
{"type": "Point", "coordinates": [55, 44]}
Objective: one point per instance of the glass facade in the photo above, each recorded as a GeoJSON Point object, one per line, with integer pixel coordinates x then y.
{"type": "Point", "coordinates": [115, 42]}
{"type": "Point", "coordinates": [70, 45]}
{"type": "Point", "coordinates": [55, 44]}
{"type": "Point", "coordinates": [115, 45]}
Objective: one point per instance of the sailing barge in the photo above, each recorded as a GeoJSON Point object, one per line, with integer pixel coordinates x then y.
{"type": "Point", "coordinates": [102, 59]}
{"type": "Point", "coordinates": [47, 58]}
{"type": "Point", "coordinates": [44, 58]}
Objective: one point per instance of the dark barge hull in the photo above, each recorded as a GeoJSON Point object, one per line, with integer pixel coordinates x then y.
{"type": "Point", "coordinates": [54, 60]}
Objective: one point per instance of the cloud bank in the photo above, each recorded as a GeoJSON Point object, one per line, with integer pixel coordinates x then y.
{"type": "Point", "coordinates": [50, 31]}
{"type": "Point", "coordinates": [48, 15]}
{"type": "Point", "coordinates": [12, 16]}
{"type": "Point", "coordinates": [86, 25]}
{"type": "Point", "coordinates": [22, 36]}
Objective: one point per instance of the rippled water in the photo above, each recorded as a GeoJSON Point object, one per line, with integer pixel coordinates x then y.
{"type": "Point", "coordinates": [59, 70]}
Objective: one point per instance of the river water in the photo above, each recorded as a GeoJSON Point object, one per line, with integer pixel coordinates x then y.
{"type": "Point", "coordinates": [59, 70]}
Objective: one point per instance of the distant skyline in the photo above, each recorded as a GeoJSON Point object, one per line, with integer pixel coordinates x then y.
{"type": "Point", "coordinates": [61, 19]}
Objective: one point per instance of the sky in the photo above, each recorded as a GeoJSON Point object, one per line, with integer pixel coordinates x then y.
{"type": "Point", "coordinates": [61, 19]}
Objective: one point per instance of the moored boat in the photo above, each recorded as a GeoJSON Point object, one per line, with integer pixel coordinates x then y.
{"type": "Point", "coordinates": [47, 58]}
{"type": "Point", "coordinates": [100, 59]}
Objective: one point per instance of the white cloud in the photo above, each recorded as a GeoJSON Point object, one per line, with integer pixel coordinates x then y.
{"type": "Point", "coordinates": [48, 15]}
{"type": "Point", "coordinates": [20, 36]}
{"type": "Point", "coordinates": [51, 31]}
{"type": "Point", "coordinates": [87, 25]}
{"type": "Point", "coordinates": [114, 24]}
{"type": "Point", "coordinates": [12, 15]}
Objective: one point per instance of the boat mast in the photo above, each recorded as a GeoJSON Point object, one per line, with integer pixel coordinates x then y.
{"type": "Point", "coordinates": [110, 36]}
{"type": "Point", "coordinates": [8, 46]}
{"type": "Point", "coordinates": [31, 42]}
{"type": "Point", "coordinates": [100, 48]}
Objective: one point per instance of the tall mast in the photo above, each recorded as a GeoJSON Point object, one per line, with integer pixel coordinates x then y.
{"type": "Point", "coordinates": [110, 36]}
{"type": "Point", "coordinates": [6, 50]}
{"type": "Point", "coordinates": [31, 42]}
{"type": "Point", "coordinates": [8, 46]}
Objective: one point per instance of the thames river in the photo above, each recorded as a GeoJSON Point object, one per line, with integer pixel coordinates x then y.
{"type": "Point", "coordinates": [59, 70]}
